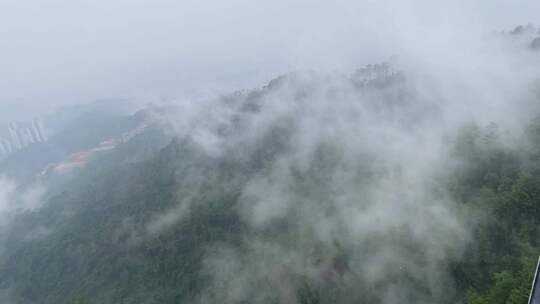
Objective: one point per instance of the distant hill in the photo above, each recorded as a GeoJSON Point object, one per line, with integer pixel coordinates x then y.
{"type": "Point", "coordinates": [90, 132]}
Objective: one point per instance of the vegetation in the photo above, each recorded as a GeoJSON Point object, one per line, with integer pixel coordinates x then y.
{"type": "Point", "coordinates": [503, 186]}
{"type": "Point", "coordinates": [103, 237]}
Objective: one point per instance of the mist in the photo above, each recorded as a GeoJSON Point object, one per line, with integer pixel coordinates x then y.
{"type": "Point", "coordinates": [353, 190]}
{"type": "Point", "coordinates": [63, 52]}
{"type": "Point", "coordinates": [305, 151]}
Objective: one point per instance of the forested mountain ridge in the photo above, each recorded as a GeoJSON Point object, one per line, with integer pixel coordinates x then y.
{"type": "Point", "coordinates": [313, 189]}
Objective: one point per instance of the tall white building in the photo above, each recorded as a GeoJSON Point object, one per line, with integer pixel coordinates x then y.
{"type": "Point", "coordinates": [38, 126]}
{"type": "Point", "coordinates": [21, 135]}
{"type": "Point", "coordinates": [12, 127]}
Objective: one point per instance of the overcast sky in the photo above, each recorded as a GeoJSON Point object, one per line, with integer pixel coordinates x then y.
{"type": "Point", "coordinates": [55, 52]}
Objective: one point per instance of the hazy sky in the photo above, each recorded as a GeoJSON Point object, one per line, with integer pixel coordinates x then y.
{"type": "Point", "coordinates": [56, 52]}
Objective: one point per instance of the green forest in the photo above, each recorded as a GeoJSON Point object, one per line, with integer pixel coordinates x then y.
{"type": "Point", "coordinates": [161, 220]}
{"type": "Point", "coordinates": [269, 152]}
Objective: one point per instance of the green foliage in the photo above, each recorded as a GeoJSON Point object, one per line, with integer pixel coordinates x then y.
{"type": "Point", "coordinates": [79, 300]}
{"type": "Point", "coordinates": [102, 246]}
{"type": "Point", "coordinates": [498, 183]}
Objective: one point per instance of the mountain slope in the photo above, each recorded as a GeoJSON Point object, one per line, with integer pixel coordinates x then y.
{"type": "Point", "coordinates": [309, 190]}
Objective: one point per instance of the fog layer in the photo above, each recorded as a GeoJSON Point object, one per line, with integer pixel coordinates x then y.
{"type": "Point", "coordinates": [62, 52]}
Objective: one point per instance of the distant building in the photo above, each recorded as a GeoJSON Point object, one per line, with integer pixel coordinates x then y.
{"type": "Point", "coordinates": [14, 137]}
{"type": "Point", "coordinates": [38, 125]}
{"type": "Point", "coordinates": [23, 140]}
{"type": "Point", "coordinates": [34, 133]}
{"type": "Point", "coordinates": [20, 135]}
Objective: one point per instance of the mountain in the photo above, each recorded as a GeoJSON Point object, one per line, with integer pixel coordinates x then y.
{"type": "Point", "coordinates": [388, 185]}
{"type": "Point", "coordinates": [76, 143]}
{"type": "Point", "coordinates": [247, 209]}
